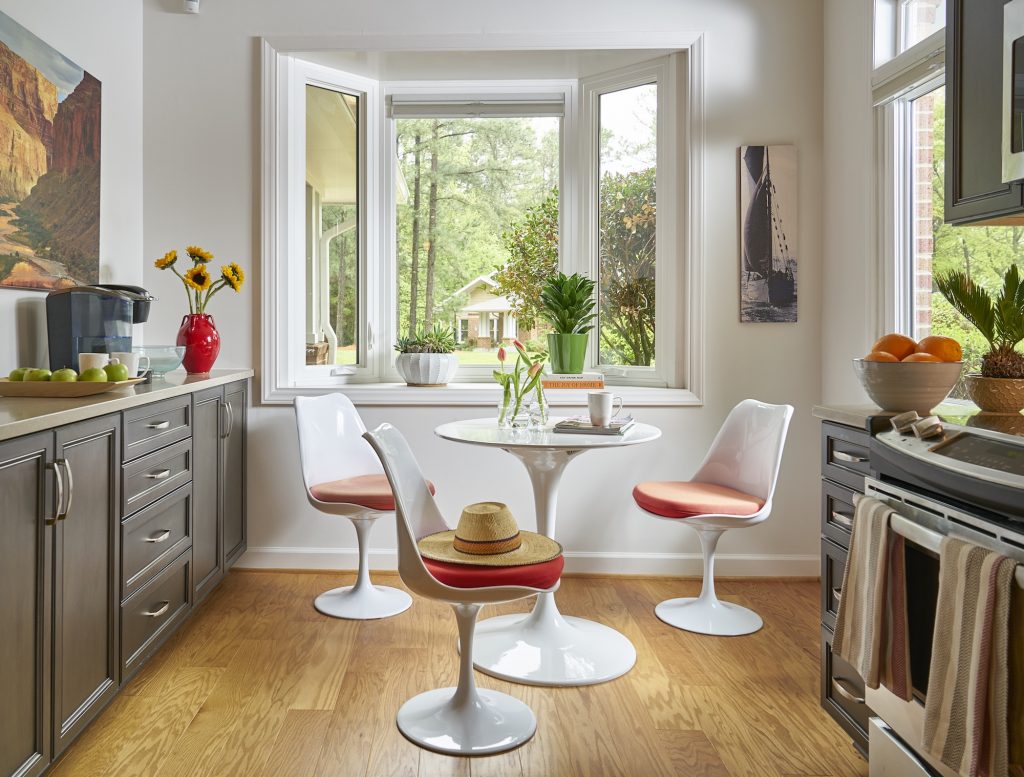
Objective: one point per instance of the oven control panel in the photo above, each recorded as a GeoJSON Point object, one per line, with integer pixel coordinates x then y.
{"type": "Point", "coordinates": [966, 452]}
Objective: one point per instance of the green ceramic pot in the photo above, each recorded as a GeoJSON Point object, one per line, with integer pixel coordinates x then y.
{"type": "Point", "coordinates": [567, 353]}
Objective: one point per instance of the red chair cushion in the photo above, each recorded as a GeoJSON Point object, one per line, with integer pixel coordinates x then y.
{"type": "Point", "coordinates": [682, 499]}
{"type": "Point", "coordinates": [542, 575]}
{"type": "Point", "coordinates": [372, 491]}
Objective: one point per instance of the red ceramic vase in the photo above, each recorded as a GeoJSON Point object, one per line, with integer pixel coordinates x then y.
{"type": "Point", "coordinates": [201, 340]}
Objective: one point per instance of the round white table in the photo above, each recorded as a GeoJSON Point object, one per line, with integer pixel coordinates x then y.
{"type": "Point", "coordinates": [545, 647]}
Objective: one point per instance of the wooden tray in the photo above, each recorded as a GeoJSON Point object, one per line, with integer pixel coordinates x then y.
{"type": "Point", "coordinates": [61, 389]}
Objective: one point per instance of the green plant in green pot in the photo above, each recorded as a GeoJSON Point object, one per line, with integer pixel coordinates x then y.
{"type": "Point", "coordinates": [999, 387]}
{"type": "Point", "coordinates": [567, 303]}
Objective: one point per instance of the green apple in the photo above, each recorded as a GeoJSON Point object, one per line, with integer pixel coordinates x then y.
{"type": "Point", "coordinates": [18, 374]}
{"type": "Point", "coordinates": [94, 375]}
{"type": "Point", "coordinates": [65, 375]}
{"type": "Point", "coordinates": [116, 371]}
{"type": "Point", "coordinates": [37, 375]}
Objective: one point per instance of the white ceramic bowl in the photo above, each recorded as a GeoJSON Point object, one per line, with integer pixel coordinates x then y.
{"type": "Point", "coordinates": [427, 369]}
{"type": "Point", "coordinates": [901, 386]}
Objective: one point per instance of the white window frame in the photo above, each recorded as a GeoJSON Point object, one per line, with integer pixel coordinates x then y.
{"type": "Point", "coordinates": [284, 375]}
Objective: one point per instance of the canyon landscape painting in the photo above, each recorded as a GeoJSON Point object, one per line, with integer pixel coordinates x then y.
{"type": "Point", "coordinates": [49, 165]}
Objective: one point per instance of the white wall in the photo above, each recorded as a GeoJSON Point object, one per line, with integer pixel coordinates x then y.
{"type": "Point", "coordinates": [764, 85]}
{"type": "Point", "coordinates": [106, 39]}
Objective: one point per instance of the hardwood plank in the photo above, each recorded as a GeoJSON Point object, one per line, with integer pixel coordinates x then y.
{"type": "Point", "coordinates": [692, 754]}
{"type": "Point", "coordinates": [301, 736]}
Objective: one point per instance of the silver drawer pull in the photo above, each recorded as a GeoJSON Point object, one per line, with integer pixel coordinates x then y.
{"type": "Point", "coordinates": [842, 519]}
{"type": "Point", "coordinates": [159, 536]}
{"type": "Point", "coordinates": [159, 425]}
{"type": "Point", "coordinates": [849, 458]}
{"type": "Point", "coordinates": [847, 690]}
{"type": "Point", "coordinates": [164, 605]}
{"type": "Point", "coordinates": [164, 473]}
{"type": "Point", "coordinates": [837, 594]}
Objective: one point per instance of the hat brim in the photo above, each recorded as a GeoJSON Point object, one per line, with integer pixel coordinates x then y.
{"type": "Point", "coordinates": [536, 549]}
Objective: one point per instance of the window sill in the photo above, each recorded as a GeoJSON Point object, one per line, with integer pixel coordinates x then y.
{"type": "Point", "coordinates": [475, 395]}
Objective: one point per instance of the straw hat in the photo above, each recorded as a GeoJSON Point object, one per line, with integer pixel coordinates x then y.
{"type": "Point", "coordinates": [487, 535]}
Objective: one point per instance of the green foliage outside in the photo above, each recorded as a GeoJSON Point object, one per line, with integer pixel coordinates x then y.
{"type": "Point", "coordinates": [532, 258]}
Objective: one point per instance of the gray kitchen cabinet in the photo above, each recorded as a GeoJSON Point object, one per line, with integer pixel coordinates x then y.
{"type": "Point", "coordinates": [26, 521]}
{"type": "Point", "coordinates": [86, 576]}
{"type": "Point", "coordinates": [233, 454]}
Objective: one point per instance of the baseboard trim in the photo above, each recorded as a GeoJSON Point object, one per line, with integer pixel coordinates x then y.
{"type": "Point", "coordinates": [587, 562]}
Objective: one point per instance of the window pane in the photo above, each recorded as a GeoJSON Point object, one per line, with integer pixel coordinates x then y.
{"type": "Point", "coordinates": [919, 19]}
{"type": "Point", "coordinates": [626, 225]}
{"type": "Point", "coordinates": [983, 252]}
{"type": "Point", "coordinates": [477, 228]}
{"type": "Point", "coordinates": [332, 227]}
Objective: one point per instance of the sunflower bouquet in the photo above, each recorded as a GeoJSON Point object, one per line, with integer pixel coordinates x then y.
{"type": "Point", "coordinates": [200, 284]}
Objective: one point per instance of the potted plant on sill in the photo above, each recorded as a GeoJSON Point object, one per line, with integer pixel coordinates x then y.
{"type": "Point", "coordinates": [999, 387]}
{"type": "Point", "coordinates": [427, 359]}
{"type": "Point", "coordinates": [567, 303]}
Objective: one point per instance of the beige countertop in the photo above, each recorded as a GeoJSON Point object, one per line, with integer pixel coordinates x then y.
{"type": "Point", "coordinates": [24, 415]}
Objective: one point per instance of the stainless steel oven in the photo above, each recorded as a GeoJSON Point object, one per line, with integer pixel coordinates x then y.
{"type": "Point", "coordinates": [897, 728]}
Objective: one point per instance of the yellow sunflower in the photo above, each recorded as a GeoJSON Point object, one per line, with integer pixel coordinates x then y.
{"type": "Point", "coordinates": [198, 278]}
{"type": "Point", "coordinates": [233, 276]}
{"type": "Point", "coordinates": [167, 260]}
{"type": "Point", "coordinates": [197, 254]}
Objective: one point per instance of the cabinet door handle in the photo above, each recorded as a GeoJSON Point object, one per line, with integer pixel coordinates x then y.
{"type": "Point", "coordinates": [160, 475]}
{"type": "Point", "coordinates": [231, 418]}
{"type": "Point", "coordinates": [837, 594]}
{"type": "Point", "coordinates": [849, 458]}
{"type": "Point", "coordinates": [163, 608]}
{"type": "Point", "coordinates": [160, 536]}
{"type": "Point", "coordinates": [842, 519]}
{"type": "Point", "coordinates": [847, 690]}
{"type": "Point", "coordinates": [58, 479]}
{"type": "Point", "coordinates": [66, 466]}
{"type": "Point", "coordinates": [159, 425]}
{"type": "Point", "coordinates": [229, 414]}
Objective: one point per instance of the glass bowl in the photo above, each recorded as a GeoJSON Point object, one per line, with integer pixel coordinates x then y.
{"type": "Point", "coordinates": [162, 358]}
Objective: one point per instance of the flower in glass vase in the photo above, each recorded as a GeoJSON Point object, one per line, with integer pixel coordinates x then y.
{"type": "Point", "coordinates": [522, 396]}
{"type": "Point", "coordinates": [198, 333]}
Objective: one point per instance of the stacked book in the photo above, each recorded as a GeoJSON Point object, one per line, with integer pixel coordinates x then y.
{"type": "Point", "coordinates": [581, 425]}
{"type": "Point", "coordinates": [585, 380]}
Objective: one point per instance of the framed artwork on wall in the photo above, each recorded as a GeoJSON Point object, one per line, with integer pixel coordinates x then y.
{"type": "Point", "coordinates": [768, 234]}
{"type": "Point", "coordinates": [49, 165]}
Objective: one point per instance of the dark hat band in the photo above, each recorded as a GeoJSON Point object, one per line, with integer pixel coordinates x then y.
{"type": "Point", "coordinates": [487, 547]}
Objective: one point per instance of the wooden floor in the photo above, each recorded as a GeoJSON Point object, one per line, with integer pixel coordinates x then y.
{"type": "Point", "coordinates": [259, 683]}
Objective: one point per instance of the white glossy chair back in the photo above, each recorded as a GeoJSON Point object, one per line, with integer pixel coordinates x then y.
{"type": "Point", "coordinates": [418, 516]}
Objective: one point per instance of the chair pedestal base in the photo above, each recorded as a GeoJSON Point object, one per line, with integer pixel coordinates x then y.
{"type": "Point", "coordinates": [490, 722]}
{"type": "Point", "coordinates": [709, 616]}
{"type": "Point", "coordinates": [363, 602]}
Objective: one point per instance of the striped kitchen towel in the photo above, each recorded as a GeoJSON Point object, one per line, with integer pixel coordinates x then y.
{"type": "Point", "coordinates": [860, 622]}
{"type": "Point", "coordinates": [967, 706]}
{"type": "Point", "coordinates": [895, 669]}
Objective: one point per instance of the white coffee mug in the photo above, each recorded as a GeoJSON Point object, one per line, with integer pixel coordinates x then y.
{"type": "Point", "coordinates": [91, 361]}
{"type": "Point", "coordinates": [132, 362]}
{"type": "Point", "coordinates": [600, 405]}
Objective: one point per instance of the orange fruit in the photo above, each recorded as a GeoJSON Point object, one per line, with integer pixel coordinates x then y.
{"type": "Point", "coordinates": [922, 357]}
{"type": "Point", "coordinates": [945, 348]}
{"type": "Point", "coordinates": [898, 345]}
{"type": "Point", "coordinates": [880, 356]}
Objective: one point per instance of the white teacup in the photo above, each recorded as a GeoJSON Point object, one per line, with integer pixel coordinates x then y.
{"type": "Point", "coordinates": [133, 362]}
{"type": "Point", "coordinates": [600, 404]}
{"type": "Point", "coordinates": [91, 361]}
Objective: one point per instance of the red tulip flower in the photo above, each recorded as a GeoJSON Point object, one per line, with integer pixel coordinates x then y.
{"type": "Point", "coordinates": [537, 367]}
{"type": "Point", "coordinates": [519, 345]}
{"type": "Point", "coordinates": [501, 354]}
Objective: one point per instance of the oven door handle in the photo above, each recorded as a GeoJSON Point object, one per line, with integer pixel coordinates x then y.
{"type": "Point", "coordinates": [847, 690]}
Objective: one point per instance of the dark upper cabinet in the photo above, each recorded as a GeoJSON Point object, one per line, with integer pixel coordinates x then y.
{"type": "Point", "coordinates": [236, 405]}
{"type": "Point", "coordinates": [975, 191]}
{"type": "Point", "coordinates": [86, 576]}
{"type": "Point", "coordinates": [26, 526]}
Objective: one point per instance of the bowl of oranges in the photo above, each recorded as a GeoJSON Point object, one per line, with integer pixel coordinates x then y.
{"type": "Point", "coordinates": [903, 374]}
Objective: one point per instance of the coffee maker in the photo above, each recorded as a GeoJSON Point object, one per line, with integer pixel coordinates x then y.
{"type": "Point", "coordinates": [92, 319]}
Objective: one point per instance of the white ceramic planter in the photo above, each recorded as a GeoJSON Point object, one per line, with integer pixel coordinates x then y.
{"type": "Point", "coordinates": [427, 369]}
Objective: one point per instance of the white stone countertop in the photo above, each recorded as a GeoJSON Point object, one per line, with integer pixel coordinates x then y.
{"type": "Point", "coordinates": [26, 415]}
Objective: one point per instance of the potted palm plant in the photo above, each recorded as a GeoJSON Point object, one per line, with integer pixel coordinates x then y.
{"type": "Point", "coordinates": [427, 359]}
{"type": "Point", "coordinates": [999, 387]}
{"type": "Point", "coordinates": [567, 303]}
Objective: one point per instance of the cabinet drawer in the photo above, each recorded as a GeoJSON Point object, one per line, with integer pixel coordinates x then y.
{"type": "Point", "coordinates": [151, 477]}
{"type": "Point", "coordinates": [833, 565]}
{"type": "Point", "coordinates": [148, 617]}
{"type": "Point", "coordinates": [844, 455]}
{"type": "Point", "coordinates": [837, 512]}
{"type": "Point", "coordinates": [149, 428]}
{"type": "Point", "coordinates": [842, 693]}
{"type": "Point", "coordinates": [153, 536]}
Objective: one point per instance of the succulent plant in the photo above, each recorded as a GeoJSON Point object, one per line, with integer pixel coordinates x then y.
{"type": "Point", "coordinates": [1000, 319]}
{"type": "Point", "coordinates": [439, 339]}
{"type": "Point", "coordinates": [567, 303]}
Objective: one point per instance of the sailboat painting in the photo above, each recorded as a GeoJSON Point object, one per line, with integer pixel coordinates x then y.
{"type": "Point", "coordinates": [768, 211]}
